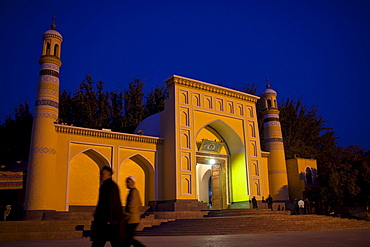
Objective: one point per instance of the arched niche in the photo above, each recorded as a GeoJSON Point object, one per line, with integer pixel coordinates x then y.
{"type": "Point", "coordinates": [239, 110]}
{"type": "Point", "coordinates": [183, 97]}
{"type": "Point", "coordinates": [185, 186]}
{"type": "Point", "coordinates": [253, 149]}
{"type": "Point", "coordinates": [185, 140]}
{"type": "Point", "coordinates": [143, 171]}
{"type": "Point", "coordinates": [185, 162]}
{"type": "Point", "coordinates": [83, 178]}
{"type": "Point", "coordinates": [184, 118]}
{"type": "Point", "coordinates": [256, 188]}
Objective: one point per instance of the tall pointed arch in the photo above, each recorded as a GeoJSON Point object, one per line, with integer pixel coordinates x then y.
{"type": "Point", "coordinates": [235, 168]}
{"type": "Point", "coordinates": [227, 134]}
{"type": "Point", "coordinates": [141, 168]}
{"type": "Point", "coordinates": [83, 178]}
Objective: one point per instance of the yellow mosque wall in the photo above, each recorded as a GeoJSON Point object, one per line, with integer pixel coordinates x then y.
{"type": "Point", "coordinates": [81, 153]}
{"type": "Point", "coordinates": [168, 171]}
{"type": "Point", "coordinates": [238, 178]}
{"type": "Point", "coordinates": [83, 181]}
{"type": "Point", "coordinates": [265, 189]}
{"type": "Point", "coordinates": [296, 169]}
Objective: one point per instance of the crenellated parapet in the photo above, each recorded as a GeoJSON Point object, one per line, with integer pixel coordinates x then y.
{"type": "Point", "coordinates": [199, 85]}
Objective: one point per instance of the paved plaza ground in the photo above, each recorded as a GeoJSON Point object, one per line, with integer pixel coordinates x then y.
{"type": "Point", "coordinates": [358, 238]}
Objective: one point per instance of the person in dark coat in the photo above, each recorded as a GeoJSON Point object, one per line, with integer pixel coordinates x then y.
{"type": "Point", "coordinates": [269, 202]}
{"type": "Point", "coordinates": [108, 224]}
{"type": "Point", "coordinates": [254, 202]}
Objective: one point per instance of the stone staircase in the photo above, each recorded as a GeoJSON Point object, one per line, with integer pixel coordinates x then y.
{"type": "Point", "coordinates": [149, 221]}
{"type": "Point", "coordinates": [29, 230]}
{"type": "Point", "coordinates": [247, 221]}
{"type": "Point", "coordinates": [243, 212]}
{"type": "Point", "coordinates": [216, 222]}
{"type": "Point", "coordinates": [60, 225]}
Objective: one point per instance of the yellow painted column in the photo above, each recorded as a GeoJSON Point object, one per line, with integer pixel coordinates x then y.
{"type": "Point", "coordinates": [41, 174]}
{"type": "Point", "coordinates": [273, 140]}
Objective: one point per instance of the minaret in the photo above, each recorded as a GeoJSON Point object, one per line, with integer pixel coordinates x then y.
{"type": "Point", "coordinates": [273, 140]}
{"type": "Point", "coordinates": [41, 172]}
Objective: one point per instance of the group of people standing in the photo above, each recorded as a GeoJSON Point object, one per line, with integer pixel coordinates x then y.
{"type": "Point", "coordinates": [269, 202]}
{"type": "Point", "coordinates": [111, 223]}
{"type": "Point", "coordinates": [299, 206]}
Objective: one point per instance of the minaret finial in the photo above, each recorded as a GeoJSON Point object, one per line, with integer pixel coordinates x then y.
{"type": "Point", "coordinates": [53, 26]}
{"type": "Point", "coordinates": [267, 82]}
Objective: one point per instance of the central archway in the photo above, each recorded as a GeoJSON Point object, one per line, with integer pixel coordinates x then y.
{"type": "Point", "coordinates": [221, 171]}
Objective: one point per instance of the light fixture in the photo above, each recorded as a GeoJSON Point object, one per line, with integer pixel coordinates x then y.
{"type": "Point", "coordinates": [212, 161]}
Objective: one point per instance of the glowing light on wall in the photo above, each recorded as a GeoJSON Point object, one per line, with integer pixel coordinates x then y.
{"type": "Point", "coordinates": [238, 178]}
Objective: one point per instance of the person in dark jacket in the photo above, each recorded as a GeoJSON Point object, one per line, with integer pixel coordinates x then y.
{"type": "Point", "coordinates": [269, 202]}
{"type": "Point", "coordinates": [108, 221]}
{"type": "Point", "coordinates": [254, 202]}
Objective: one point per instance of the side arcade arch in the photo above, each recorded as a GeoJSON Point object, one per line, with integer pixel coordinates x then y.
{"type": "Point", "coordinates": [83, 178]}
{"type": "Point", "coordinates": [141, 168]}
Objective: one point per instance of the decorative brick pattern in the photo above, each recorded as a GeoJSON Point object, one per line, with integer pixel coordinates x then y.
{"type": "Point", "coordinates": [47, 102]}
{"type": "Point", "coordinates": [46, 115]}
{"type": "Point", "coordinates": [44, 150]}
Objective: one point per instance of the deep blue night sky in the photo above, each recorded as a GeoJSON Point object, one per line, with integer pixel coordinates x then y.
{"type": "Point", "coordinates": [317, 50]}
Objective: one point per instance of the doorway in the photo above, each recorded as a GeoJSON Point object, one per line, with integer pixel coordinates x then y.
{"type": "Point", "coordinates": [212, 181]}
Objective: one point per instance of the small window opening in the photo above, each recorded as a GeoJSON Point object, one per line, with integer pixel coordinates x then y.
{"type": "Point", "coordinates": [48, 49]}
{"type": "Point", "coordinates": [56, 50]}
{"type": "Point", "coordinates": [268, 103]}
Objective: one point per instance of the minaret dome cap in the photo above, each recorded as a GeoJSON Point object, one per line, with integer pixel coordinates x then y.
{"type": "Point", "coordinates": [269, 91]}
{"type": "Point", "coordinates": [52, 33]}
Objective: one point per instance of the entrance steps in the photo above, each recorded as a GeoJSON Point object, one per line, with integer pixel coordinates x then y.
{"type": "Point", "coordinates": [29, 230]}
{"type": "Point", "coordinates": [217, 222]}
{"type": "Point", "coordinates": [257, 222]}
{"type": "Point", "coordinates": [60, 225]}
{"type": "Point", "coordinates": [241, 212]}
{"type": "Point", "coordinates": [149, 220]}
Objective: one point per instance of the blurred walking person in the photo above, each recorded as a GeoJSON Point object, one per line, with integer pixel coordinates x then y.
{"type": "Point", "coordinates": [108, 224]}
{"type": "Point", "coordinates": [132, 212]}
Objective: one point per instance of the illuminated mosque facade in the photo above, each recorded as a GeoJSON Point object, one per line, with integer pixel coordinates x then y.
{"type": "Point", "coordinates": [202, 152]}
